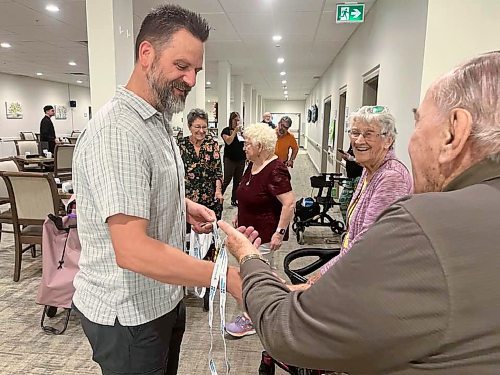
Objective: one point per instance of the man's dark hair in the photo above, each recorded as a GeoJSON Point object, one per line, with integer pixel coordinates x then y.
{"type": "Point", "coordinates": [163, 22]}
{"type": "Point", "coordinates": [196, 113]}
{"type": "Point", "coordinates": [47, 108]}
{"type": "Point", "coordinates": [287, 120]}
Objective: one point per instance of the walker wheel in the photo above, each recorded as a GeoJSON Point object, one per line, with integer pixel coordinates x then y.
{"type": "Point", "coordinates": [337, 227]}
{"type": "Point", "coordinates": [300, 237]}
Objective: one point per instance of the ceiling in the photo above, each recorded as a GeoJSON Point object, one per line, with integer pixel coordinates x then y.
{"type": "Point", "coordinates": [241, 33]}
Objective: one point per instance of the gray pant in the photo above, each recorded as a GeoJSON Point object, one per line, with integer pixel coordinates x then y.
{"type": "Point", "coordinates": [151, 348]}
{"type": "Point", "coordinates": [233, 170]}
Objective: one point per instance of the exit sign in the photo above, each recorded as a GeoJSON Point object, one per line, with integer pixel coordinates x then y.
{"type": "Point", "coordinates": [350, 13]}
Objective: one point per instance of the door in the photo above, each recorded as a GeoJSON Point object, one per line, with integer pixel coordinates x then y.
{"type": "Point", "coordinates": [327, 108]}
{"type": "Point", "coordinates": [340, 128]}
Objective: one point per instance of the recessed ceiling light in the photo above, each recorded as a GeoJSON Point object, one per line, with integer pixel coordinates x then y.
{"type": "Point", "coordinates": [79, 81]}
{"type": "Point", "coordinates": [39, 74]}
{"type": "Point", "coordinates": [208, 100]}
{"type": "Point", "coordinates": [280, 60]}
{"type": "Point", "coordinates": [282, 73]}
{"type": "Point", "coordinates": [285, 92]}
{"type": "Point", "coordinates": [276, 38]}
{"type": "Point", "coordinates": [52, 8]}
{"type": "Point", "coordinates": [209, 83]}
{"type": "Point", "coordinates": [72, 63]}
{"type": "Point", "coordinates": [5, 45]}
{"type": "Point", "coordinates": [284, 82]}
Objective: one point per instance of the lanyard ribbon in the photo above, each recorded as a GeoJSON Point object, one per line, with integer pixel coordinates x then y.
{"type": "Point", "coordinates": [199, 246]}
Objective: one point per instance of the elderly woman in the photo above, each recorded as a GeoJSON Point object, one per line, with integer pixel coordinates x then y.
{"type": "Point", "coordinates": [265, 201]}
{"type": "Point", "coordinates": [234, 156]}
{"type": "Point", "coordinates": [202, 163]}
{"type": "Point", "coordinates": [384, 179]}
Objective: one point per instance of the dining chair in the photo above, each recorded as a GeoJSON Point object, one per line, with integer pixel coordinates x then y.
{"type": "Point", "coordinates": [6, 165]}
{"type": "Point", "coordinates": [32, 197]}
{"type": "Point", "coordinates": [22, 147]}
{"type": "Point", "coordinates": [75, 133]}
{"type": "Point", "coordinates": [63, 159]}
{"type": "Point", "coordinates": [27, 136]}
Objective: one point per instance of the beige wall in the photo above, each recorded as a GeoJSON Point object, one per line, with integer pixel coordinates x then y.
{"type": "Point", "coordinates": [456, 31]}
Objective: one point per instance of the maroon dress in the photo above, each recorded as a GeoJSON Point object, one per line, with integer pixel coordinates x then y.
{"type": "Point", "coordinates": [257, 202]}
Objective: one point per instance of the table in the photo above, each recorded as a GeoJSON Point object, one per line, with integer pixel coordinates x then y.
{"type": "Point", "coordinates": [41, 160]}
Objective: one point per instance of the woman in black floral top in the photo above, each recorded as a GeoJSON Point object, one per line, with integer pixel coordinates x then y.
{"type": "Point", "coordinates": [202, 163]}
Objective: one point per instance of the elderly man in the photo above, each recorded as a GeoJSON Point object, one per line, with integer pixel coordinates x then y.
{"type": "Point", "coordinates": [267, 119]}
{"type": "Point", "coordinates": [286, 142]}
{"type": "Point", "coordinates": [419, 293]}
{"type": "Point", "coordinates": [132, 213]}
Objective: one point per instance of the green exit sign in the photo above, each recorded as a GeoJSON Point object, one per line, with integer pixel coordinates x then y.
{"type": "Point", "coordinates": [350, 13]}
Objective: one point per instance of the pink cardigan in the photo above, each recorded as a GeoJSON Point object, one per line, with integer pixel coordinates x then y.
{"type": "Point", "coordinates": [389, 183]}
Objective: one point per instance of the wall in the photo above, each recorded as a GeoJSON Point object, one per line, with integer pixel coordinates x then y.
{"type": "Point", "coordinates": [392, 36]}
{"type": "Point", "coordinates": [473, 23]}
{"type": "Point", "coordinates": [34, 94]}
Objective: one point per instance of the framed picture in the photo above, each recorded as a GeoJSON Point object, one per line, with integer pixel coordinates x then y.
{"type": "Point", "coordinates": [61, 112]}
{"type": "Point", "coordinates": [13, 110]}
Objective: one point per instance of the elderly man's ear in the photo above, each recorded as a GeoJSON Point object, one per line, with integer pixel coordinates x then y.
{"type": "Point", "coordinates": [457, 132]}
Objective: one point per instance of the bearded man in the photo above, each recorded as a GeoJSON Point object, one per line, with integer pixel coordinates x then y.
{"type": "Point", "coordinates": [129, 181]}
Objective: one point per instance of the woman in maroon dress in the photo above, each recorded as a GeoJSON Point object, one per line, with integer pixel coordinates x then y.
{"type": "Point", "coordinates": [265, 201]}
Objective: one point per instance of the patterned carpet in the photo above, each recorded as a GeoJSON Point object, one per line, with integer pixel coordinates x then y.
{"type": "Point", "coordinates": [26, 349]}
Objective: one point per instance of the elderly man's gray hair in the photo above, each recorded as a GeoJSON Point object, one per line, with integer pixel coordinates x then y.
{"type": "Point", "coordinates": [376, 115]}
{"type": "Point", "coordinates": [475, 86]}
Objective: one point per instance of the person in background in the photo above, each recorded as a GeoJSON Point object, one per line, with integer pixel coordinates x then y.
{"type": "Point", "coordinates": [266, 202]}
{"type": "Point", "coordinates": [234, 156]}
{"type": "Point", "coordinates": [286, 142]}
{"type": "Point", "coordinates": [132, 212]}
{"type": "Point", "coordinates": [353, 172]}
{"type": "Point", "coordinates": [47, 131]}
{"type": "Point", "coordinates": [267, 118]}
{"type": "Point", "coordinates": [202, 170]}
{"type": "Point", "coordinates": [418, 294]}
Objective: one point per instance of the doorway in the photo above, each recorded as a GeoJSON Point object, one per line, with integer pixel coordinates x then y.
{"type": "Point", "coordinates": [327, 108]}
{"type": "Point", "coordinates": [341, 126]}
{"type": "Point", "coordinates": [370, 86]}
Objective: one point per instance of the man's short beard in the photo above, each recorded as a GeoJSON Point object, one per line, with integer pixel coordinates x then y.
{"type": "Point", "coordinates": [164, 98]}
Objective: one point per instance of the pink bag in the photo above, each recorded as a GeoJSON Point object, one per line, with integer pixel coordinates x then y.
{"type": "Point", "coordinates": [60, 254]}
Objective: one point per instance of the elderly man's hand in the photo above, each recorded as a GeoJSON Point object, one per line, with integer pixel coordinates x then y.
{"type": "Point", "coordinates": [199, 216]}
{"type": "Point", "coordinates": [242, 241]}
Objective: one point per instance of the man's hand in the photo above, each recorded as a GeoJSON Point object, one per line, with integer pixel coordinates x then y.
{"type": "Point", "coordinates": [219, 196]}
{"type": "Point", "coordinates": [234, 286]}
{"type": "Point", "coordinates": [200, 217]}
{"type": "Point", "coordinates": [242, 241]}
{"type": "Point", "coordinates": [289, 163]}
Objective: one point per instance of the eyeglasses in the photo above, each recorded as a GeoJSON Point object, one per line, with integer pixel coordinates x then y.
{"type": "Point", "coordinates": [368, 135]}
{"type": "Point", "coordinates": [375, 109]}
{"type": "Point", "coordinates": [204, 128]}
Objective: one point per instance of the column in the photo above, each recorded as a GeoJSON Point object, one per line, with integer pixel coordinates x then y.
{"type": "Point", "coordinates": [259, 108]}
{"type": "Point", "coordinates": [223, 92]}
{"type": "Point", "coordinates": [110, 34]}
{"type": "Point", "coordinates": [238, 95]}
{"type": "Point", "coordinates": [247, 93]}
{"type": "Point", "coordinates": [253, 112]}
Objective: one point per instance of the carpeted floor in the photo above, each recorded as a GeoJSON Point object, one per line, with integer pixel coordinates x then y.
{"type": "Point", "coordinates": [26, 349]}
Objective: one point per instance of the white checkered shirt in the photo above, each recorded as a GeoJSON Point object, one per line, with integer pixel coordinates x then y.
{"type": "Point", "coordinates": [126, 162]}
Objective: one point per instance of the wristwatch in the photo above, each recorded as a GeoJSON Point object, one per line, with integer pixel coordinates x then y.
{"type": "Point", "coordinates": [281, 231]}
{"type": "Point", "coordinates": [253, 256]}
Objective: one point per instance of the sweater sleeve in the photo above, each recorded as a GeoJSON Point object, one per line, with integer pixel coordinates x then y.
{"type": "Point", "coordinates": [383, 305]}
{"type": "Point", "coordinates": [391, 186]}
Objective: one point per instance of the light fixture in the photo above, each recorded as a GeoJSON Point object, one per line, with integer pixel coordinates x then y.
{"type": "Point", "coordinates": [285, 87]}
{"type": "Point", "coordinates": [5, 45]}
{"type": "Point", "coordinates": [280, 60]}
{"type": "Point", "coordinates": [276, 38]}
{"type": "Point", "coordinates": [39, 74]}
{"type": "Point", "coordinates": [209, 83]}
{"type": "Point", "coordinates": [79, 81]}
{"type": "Point", "coordinates": [282, 73]}
{"type": "Point", "coordinates": [284, 82]}
{"type": "Point", "coordinates": [72, 63]}
{"type": "Point", "coordinates": [208, 100]}
{"type": "Point", "coordinates": [52, 8]}
{"type": "Point", "coordinates": [285, 92]}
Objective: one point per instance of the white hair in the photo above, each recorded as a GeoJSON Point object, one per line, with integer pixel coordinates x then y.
{"type": "Point", "coordinates": [384, 119]}
{"type": "Point", "coordinates": [475, 87]}
{"type": "Point", "coordinates": [262, 134]}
